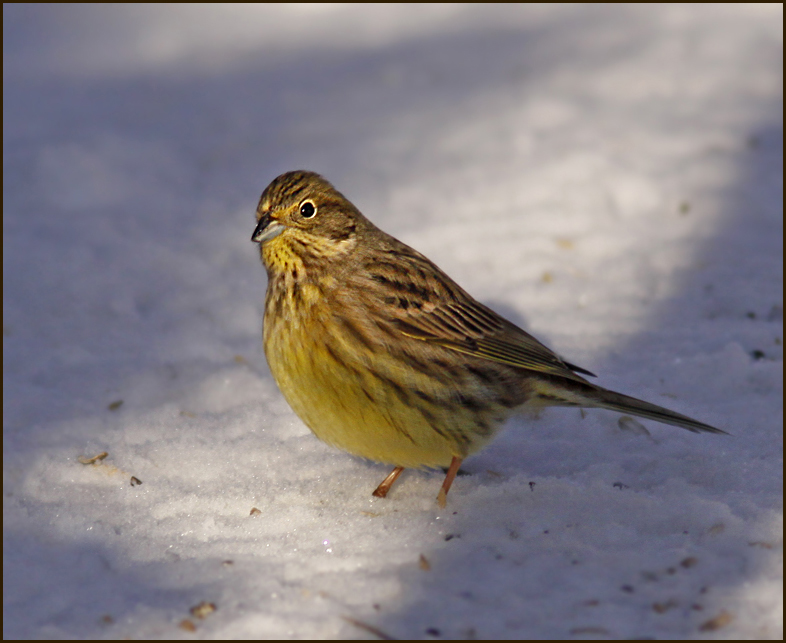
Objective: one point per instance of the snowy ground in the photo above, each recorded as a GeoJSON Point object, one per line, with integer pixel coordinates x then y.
{"type": "Point", "coordinates": [609, 177]}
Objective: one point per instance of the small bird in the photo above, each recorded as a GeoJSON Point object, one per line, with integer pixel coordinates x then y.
{"type": "Point", "coordinates": [383, 355]}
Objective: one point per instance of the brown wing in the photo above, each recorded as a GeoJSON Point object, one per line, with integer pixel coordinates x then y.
{"type": "Point", "coordinates": [424, 303]}
{"type": "Point", "coordinates": [476, 330]}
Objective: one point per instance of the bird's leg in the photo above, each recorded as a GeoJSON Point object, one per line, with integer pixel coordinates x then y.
{"type": "Point", "coordinates": [382, 490]}
{"type": "Point", "coordinates": [442, 496]}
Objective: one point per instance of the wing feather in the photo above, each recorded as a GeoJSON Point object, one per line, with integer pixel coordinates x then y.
{"type": "Point", "coordinates": [423, 303]}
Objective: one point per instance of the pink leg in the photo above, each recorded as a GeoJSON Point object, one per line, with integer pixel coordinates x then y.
{"type": "Point", "coordinates": [382, 490]}
{"type": "Point", "coordinates": [442, 496]}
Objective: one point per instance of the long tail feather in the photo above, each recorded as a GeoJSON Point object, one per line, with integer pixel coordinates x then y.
{"type": "Point", "coordinates": [603, 398]}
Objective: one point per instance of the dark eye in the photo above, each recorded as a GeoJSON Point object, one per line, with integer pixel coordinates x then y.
{"type": "Point", "coordinates": [307, 209]}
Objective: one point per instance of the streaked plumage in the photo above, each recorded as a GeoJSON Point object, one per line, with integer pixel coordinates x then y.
{"type": "Point", "coordinates": [383, 355]}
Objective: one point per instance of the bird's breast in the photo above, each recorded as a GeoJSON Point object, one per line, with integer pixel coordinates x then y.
{"type": "Point", "coordinates": [356, 393]}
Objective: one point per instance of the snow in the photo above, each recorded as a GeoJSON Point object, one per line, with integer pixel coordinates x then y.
{"type": "Point", "coordinates": [607, 176]}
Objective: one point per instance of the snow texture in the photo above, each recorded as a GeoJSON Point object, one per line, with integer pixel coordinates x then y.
{"type": "Point", "coordinates": [607, 176]}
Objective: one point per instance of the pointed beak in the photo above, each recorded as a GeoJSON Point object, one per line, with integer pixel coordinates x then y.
{"type": "Point", "coordinates": [266, 229]}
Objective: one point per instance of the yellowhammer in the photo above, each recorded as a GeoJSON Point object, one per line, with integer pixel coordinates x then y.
{"type": "Point", "coordinates": [383, 355]}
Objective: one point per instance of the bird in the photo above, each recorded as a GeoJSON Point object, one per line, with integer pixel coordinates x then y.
{"type": "Point", "coordinates": [383, 355]}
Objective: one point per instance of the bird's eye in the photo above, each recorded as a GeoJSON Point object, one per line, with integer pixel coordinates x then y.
{"type": "Point", "coordinates": [307, 209]}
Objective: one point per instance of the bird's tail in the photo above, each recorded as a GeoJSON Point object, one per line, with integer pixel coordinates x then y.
{"type": "Point", "coordinates": [603, 398]}
{"type": "Point", "coordinates": [560, 391]}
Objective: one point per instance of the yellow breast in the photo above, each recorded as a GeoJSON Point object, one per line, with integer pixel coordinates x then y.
{"type": "Point", "coordinates": [348, 406]}
{"type": "Point", "coordinates": [338, 375]}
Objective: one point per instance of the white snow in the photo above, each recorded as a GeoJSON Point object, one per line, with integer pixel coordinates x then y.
{"type": "Point", "coordinates": [607, 176]}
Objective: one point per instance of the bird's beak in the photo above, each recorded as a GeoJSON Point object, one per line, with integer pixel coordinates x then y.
{"type": "Point", "coordinates": [266, 229]}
